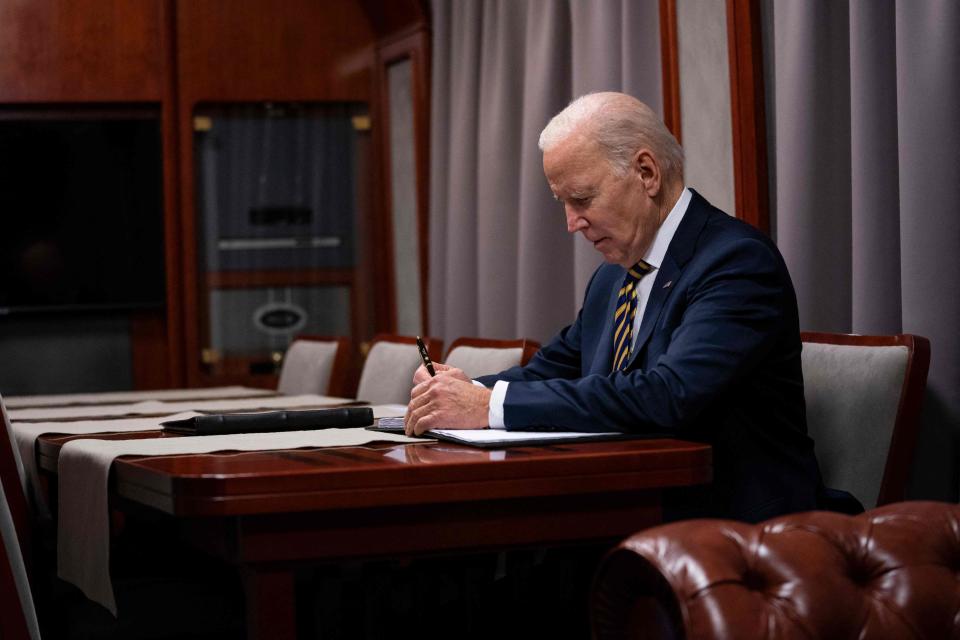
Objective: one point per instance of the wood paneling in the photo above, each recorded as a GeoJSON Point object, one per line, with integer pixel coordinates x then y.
{"type": "Point", "coordinates": [171, 200]}
{"type": "Point", "coordinates": [253, 50]}
{"type": "Point", "coordinates": [670, 66]}
{"type": "Point", "coordinates": [149, 349]}
{"type": "Point", "coordinates": [412, 45]}
{"type": "Point", "coordinates": [747, 113]}
{"type": "Point", "coordinates": [391, 18]}
{"type": "Point", "coordinates": [81, 51]}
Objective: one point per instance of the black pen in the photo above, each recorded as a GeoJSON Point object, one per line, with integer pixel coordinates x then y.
{"type": "Point", "coordinates": [427, 362]}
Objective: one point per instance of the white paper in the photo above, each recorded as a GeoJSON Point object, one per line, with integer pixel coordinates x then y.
{"type": "Point", "coordinates": [497, 436]}
{"type": "Point", "coordinates": [389, 411]}
{"type": "Point", "coordinates": [391, 422]}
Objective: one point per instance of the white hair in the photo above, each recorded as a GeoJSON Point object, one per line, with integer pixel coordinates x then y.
{"type": "Point", "coordinates": [621, 125]}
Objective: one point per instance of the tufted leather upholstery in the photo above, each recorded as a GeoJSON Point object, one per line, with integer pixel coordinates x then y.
{"type": "Point", "coordinates": [892, 572]}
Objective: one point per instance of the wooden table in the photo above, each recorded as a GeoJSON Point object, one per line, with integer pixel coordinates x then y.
{"type": "Point", "coordinates": [269, 512]}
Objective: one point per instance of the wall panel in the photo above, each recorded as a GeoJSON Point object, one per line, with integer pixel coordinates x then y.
{"type": "Point", "coordinates": [81, 51]}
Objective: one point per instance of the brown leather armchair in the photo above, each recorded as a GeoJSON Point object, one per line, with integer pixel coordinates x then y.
{"type": "Point", "coordinates": [891, 572]}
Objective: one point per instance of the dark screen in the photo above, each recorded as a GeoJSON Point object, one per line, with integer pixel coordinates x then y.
{"type": "Point", "coordinates": [81, 206]}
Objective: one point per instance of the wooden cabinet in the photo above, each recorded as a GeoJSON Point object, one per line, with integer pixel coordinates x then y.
{"type": "Point", "coordinates": [184, 56]}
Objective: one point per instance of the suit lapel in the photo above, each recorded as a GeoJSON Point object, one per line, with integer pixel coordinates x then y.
{"type": "Point", "coordinates": [678, 254]}
{"type": "Point", "coordinates": [667, 274]}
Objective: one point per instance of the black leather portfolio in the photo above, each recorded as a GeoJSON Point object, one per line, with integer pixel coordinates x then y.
{"type": "Point", "coordinates": [223, 423]}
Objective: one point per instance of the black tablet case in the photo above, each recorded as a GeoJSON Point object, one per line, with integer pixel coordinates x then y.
{"type": "Point", "coordinates": [224, 423]}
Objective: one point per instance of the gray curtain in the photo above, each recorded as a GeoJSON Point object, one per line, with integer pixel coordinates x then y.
{"type": "Point", "coordinates": [501, 262]}
{"type": "Point", "coordinates": [865, 99]}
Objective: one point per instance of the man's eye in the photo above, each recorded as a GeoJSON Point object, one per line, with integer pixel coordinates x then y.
{"type": "Point", "coordinates": [580, 202]}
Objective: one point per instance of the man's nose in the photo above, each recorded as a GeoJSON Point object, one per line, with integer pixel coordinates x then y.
{"type": "Point", "coordinates": [575, 222]}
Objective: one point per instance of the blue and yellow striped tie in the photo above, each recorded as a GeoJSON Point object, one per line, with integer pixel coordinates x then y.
{"type": "Point", "coordinates": [626, 312]}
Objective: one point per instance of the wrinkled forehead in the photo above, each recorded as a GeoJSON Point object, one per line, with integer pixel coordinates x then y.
{"type": "Point", "coordinates": [576, 162]}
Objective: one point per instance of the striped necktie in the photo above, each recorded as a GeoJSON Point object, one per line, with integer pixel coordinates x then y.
{"type": "Point", "coordinates": [626, 312]}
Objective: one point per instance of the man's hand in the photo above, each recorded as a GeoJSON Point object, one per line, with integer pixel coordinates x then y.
{"type": "Point", "coordinates": [422, 375]}
{"type": "Point", "coordinates": [447, 401]}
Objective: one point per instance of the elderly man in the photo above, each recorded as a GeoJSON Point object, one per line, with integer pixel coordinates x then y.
{"type": "Point", "coordinates": [690, 329]}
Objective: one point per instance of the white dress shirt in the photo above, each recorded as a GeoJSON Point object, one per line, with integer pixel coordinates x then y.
{"type": "Point", "coordinates": [653, 257]}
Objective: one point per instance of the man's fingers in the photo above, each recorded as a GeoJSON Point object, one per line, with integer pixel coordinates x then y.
{"type": "Point", "coordinates": [453, 373]}
{"type": "Point", "coordinates": [446, 402]}
{"type": "Point", "coordinates": [420, 375]}
{"type": "Point", "coordinates": [423, 425]}
{"type": "Point", "coordinates": [410, 422]}
{"type": "Point", "coordinates": [418, 390]}
{"type": "Point", "coordinates": [421, 399]}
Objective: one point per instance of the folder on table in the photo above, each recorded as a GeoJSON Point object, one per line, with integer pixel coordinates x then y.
{"type": "Point", "coordinates": [219, 424]}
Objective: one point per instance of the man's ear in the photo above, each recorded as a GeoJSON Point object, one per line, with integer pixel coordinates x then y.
{"type": "Point", "coordinates": [647, 170]}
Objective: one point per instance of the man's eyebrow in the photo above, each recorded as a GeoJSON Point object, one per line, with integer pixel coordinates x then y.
{"type": "Point", "coordinates": [576, 193]}
{"type": "Point", "coordinates": [581, 193]}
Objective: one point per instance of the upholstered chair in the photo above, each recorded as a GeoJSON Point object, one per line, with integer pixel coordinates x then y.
{"type": "Point", "coordinates": [885, 574]}
{"type": "Point", "coordinates": [863, 396]}
{"type": "Point", "coordinates": [482, 356]}
{"type": "Point", "coordinates": [387, 376]}
{"type": "Point", "coordinates": [315, 364]}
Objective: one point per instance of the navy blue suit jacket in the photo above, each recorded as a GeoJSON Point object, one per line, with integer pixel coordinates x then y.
{"type": "Point", "coordinates": [717, 359]}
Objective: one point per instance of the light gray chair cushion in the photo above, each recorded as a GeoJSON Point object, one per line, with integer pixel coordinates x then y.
{"type": "Point", "coordinates": [852, 395]}
{"type": "Point", "coordinates": [387, 376]}
{"type": "Point", "coordinates": [482, 361]}
{"type": "Point", "coordinates": [306, 367]}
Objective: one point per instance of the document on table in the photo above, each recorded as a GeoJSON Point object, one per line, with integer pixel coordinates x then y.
{"type": "Point", "coordinates": [390, 411]}
{"type": "Point", "coordinates": [504, 438]}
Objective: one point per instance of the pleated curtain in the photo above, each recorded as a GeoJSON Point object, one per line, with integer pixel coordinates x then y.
{"type": "Point", "coordinates": [501, 262]}
{"type": "Point", "coordinates": [866, 105]}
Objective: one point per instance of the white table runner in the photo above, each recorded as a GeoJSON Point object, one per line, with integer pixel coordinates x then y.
{"type": "Point", "coordinates": [120, 397]}
{"type": "Point", "coordinates": [152, 407]}
{"type": "Point", "coordinates": [26, 434]}
{"type": "Point", "coordinates": [83, 537]}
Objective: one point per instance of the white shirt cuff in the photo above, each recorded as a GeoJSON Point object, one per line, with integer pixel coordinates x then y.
{"type": "Point", "coordinates": [497, 398]}
{"type": "Point", "coordinates": [498, 395]}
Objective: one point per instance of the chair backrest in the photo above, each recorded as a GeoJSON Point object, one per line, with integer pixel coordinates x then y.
{"type": "Point", "coordinates": [387, 376]}
{"type": "Point", "coordinates": [315, 364]}
{"type": "Point", "coordinates": [863, 396]}
{"type": "Point", "coordinates": [482, 356]}
{"type": "Point", "coordinates": [18, 618]}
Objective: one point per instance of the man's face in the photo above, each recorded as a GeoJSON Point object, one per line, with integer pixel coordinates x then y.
{"type": "Point", "coordinates": [615, 213]}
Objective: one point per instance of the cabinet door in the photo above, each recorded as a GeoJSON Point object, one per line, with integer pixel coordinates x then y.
{"type": "Point", "coordinates": [279, 201]}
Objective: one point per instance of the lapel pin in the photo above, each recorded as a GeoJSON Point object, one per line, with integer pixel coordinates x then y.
{"type": "Point", "coordinates": [668, 283]}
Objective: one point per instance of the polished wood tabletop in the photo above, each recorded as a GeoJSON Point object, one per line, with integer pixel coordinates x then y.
{"type": "Point", "coordinates": [382, 474]}
{"type": "Point", "coordinates": [270, 511]}
{"type": "Point", "coordinates": [389, 474]}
